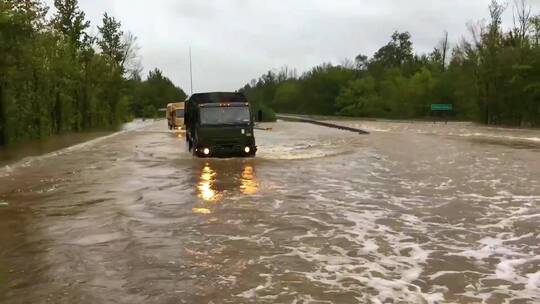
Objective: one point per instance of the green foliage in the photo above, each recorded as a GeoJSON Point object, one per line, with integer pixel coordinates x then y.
{"type": "Point", "coordinates": [494, 78]}
{"type": "Point", "coordinates": [359, 98]}
{"type": "Point", "coordinates": [267, 113]}
{"type": "Point", "coordinates": [110, 42]}
{"type": "Point", "coordinates": [154, 93]}
{"type": "Point", "coordinates": [53, 80]}
{"type": "Point", "coordinates": [287, 93]}
{"type": "Point", "coordinates": [313, 93]}
{"type": "Point", "coordinates": [396, 53]}
{"type": "Point", "coordinates": [70, 21]}
{"type": "Point", "coordinates": [149, 111]}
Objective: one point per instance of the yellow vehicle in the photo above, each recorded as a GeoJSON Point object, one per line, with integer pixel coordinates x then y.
{"type": "Point", "coordinates": [175, 116]}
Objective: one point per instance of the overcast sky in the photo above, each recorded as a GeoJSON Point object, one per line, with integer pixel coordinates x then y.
{"type": "Point", "coordinates": [234, 41]}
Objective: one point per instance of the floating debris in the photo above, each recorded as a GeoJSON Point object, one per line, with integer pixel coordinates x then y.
{"type": "Point", "coordinates": [3, 204]}
{"type": "Point", "coordinates": [263, 128]}
{"type": "Point", "coordinates": [322, 123]}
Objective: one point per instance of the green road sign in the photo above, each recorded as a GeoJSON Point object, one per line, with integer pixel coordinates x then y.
{"type": "Point", "coordinates": [441, 107]}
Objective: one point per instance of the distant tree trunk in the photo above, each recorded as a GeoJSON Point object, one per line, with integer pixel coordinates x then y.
{"type": "Point", "coordinates": [3, 120]}
{"type": "Point", "coordinates": [85, 109]}
{"type": "Point", "coordinates": [58, 112]}
{"type": "Point", "coordinates": [523, 23]}
{"type": "Point", "coordinates": [76, 125]}
{"type": "Point", "coordinates": [487, 113]}
{"type": "Point", "coordinates": [36, 109]}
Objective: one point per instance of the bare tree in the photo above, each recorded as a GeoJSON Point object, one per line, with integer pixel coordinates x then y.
{"type": "Point", "coordinates": [131, 61]}
{"type": "Point", "coordinates": [347, 63]}
{"type": "Point", "coordinates": [496, 11]}
{"type": "Point", "coordinates": [477, 31]}
{"type": "Point", "coordinates": [283, 74]}
{"type": "Point", "coordinates": [522, 19]}
{"type": "Point", "coordinates": [535, 30]}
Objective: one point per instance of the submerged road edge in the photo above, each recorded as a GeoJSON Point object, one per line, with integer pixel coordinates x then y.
{"type": "Point", "coordinates": [321, 123]}
{"type": "Point", "coordinates": [6, 169]}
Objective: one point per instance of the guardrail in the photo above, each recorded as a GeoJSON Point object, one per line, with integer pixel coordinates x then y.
{"type": "Point", "coordinates": [321, 123]}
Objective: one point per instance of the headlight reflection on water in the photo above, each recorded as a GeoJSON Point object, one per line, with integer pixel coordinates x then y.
{"type": "Point", "coordinates": [206, 183]}
{"type": "Point", "coordinates": [216, 182]}
{"type": "Point", "coordinates": [248, 183]}
{"type": "Point", "coordinates": [201, 210]}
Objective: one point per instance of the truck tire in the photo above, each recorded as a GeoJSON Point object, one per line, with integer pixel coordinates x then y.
{"type": "Point", "coordinates": [193, 150]}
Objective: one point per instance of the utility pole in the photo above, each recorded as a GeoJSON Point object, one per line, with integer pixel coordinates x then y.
{"type": "Point", "coordinates": [445, 50]}
{"type": "Point", "coordinates": [190, 71]}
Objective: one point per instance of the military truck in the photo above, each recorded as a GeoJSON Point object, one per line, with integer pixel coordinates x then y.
{"type": "Point", "coordinates": [219, 124]}
{"type": "Point", "coordinates": [175, 115]}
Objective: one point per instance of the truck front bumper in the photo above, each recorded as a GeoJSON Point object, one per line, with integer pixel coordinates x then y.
{"type": "Point", "coordinates": [226, 151]}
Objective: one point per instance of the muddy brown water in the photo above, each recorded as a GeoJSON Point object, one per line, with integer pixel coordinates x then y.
{"type": "Point", "coordinates": [37, 147]}
{"type": "Point", "coordinates": [14, 153]}
{"type": "Point", "coordinates": [413, 213]}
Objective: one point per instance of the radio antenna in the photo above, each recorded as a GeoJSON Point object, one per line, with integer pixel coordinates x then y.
{"type": "Point", "coordinates": [190, 71]}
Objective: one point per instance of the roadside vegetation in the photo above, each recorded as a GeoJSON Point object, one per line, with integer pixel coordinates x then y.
{"type": "Point", "coordinates": [493, 77]}
{"type": "Point", "coordinates": [55, 77]}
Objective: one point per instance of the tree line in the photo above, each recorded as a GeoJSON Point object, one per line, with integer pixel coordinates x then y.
{"type": "Point", "coordinates": [56, 77]}
{"type": "Point", "coordinates": [492, 77]}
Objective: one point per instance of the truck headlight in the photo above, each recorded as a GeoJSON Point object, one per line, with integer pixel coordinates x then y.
{"type": "Point", "coordinates": [247, 149]}
{"type": "Point", "coordinates": [206, 151]}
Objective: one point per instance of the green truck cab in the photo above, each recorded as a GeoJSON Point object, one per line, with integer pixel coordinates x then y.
{"type": "Point", "coordinates": [219, 124]}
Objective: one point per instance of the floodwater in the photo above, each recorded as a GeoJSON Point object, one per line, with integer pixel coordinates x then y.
{"type": "Point", "coordinates": [54, 143]}
{"type": "Point", "coordinates": [412, 213]}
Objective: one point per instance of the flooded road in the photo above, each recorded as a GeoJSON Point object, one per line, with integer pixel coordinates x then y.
{"type": "Point", "coordinates": [413, 213]}
{"type": "Point", "coordinates": [51, 144]}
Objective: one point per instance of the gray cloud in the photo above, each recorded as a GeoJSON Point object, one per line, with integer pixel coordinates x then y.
{"type": "Point", "coordinates": [234, 41]}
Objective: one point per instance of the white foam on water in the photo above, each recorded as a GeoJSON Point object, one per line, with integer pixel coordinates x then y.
{"type": "Point", "coordinates": [510, 259]}
{"type": "Point", "coordinates": [306, 299]}
{"type": "Point", "coordinates": [489, 246]}
{"type": "Point", "coordinates": [369, 247]}
{"type": "Point", "coordinates": [394, 234]}
{"type": "Point", "coordinates": [506, 269]}
{"type": "Point", "coordinates": [390, 261]}
{"type": "Point", "coordinates": [137, 124]}
{"type": "Point", "coordinates": [497, 136]}
{"type": "Point", "coordinates": [439, 274]}
{"type": "Point", "coordinates": [302, 150]}
{"type": "Point", "coordinates": [252, 293]}
{"type": "Point", "coordinates": [335, 267]}
{"type": "Point", "coordinates": [228, 280]}
{"type": "Point", "coordinates": [277, 203]}
{"type": "Point", "coordinates": [533, 282]}
{"type": "Point", "coordinates": [373, 128]}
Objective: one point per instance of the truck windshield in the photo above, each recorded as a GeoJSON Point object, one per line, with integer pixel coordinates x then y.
{"type": "Point", "coordinates": [225, 116]}
{"type": "Point", "coordinates": [179, 113]}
